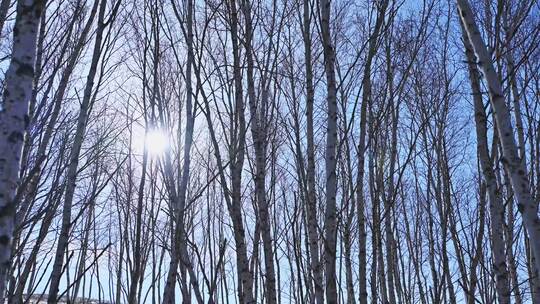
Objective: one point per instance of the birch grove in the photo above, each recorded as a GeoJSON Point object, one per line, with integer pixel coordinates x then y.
{"type": "Point", "coordinates": [242, 151]}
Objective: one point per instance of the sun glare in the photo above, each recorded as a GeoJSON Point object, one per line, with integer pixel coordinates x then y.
{"type": "Point", "coordinates": [156, 142]}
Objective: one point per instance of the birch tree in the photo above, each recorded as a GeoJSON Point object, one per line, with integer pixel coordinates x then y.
{"type": "Point", "coordinates": [269, 151]}
{"type": "Point", "coordinates": [330, 222]}
{"type": "Point", "coordinates": [14, 121]}
{"type": "Point", "coordinates": [513, 163]}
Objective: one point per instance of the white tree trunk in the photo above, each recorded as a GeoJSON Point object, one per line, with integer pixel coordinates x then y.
{"type": "Point", "coordinates": [330, 223]}
{"type": "Point", "coordinates": [311, 199]}
{"type": "Point", "coordinates": [496, 206]}
{"type": "Point", "coordinates": [514, 164]}
{"type": "Point", "coordinates": [14, 121]}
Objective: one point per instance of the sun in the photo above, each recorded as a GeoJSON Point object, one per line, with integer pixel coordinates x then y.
{"type": "Point", "coordinates": [157, 142]}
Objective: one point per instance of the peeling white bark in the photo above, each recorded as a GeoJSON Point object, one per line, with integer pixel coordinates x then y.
{"type": "Point", "coordinates": [14, 121]}
{"type": "Point", "coordinates": [496, 206]}
{"type": "Point", "coordinates": [513, 163]}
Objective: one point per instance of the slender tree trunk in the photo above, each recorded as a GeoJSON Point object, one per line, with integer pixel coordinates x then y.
{"type": "Point", "coordinates": [475, 261]}
{"type": "Point", "coordinates": [366, 101]}
{"type": "Point", "coordinates": [14, 121]}
{"type": "Point", "coordinates": [389, 195]}
{"type": "Point", "coordinates": [258, 127]}
{"type": "Point", "coordinates": [315, 266]}
{"type": "Point", "coordinates": [71, 178]}
{"type": "Point", "coordinates": [330, 222]}
{"type": "Point", "coordinates": [516, 167]}
{"type": "Point", "coordinates": [81, 268]}
{"type": "Point", "coordinates": [512, 267]}
{"type": "Point", "coordinates": [137, 254]}
{"type": "Point", "coordinates": [233, 195]}
{"type": "Point", "coordinates": [168, 295]}
{"type": "Point", "coordinates": [496, 206]}
{"type": "Point", "coordinates": [378, 189]}
{"type": "Point", "coordinates": [238, 153]}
